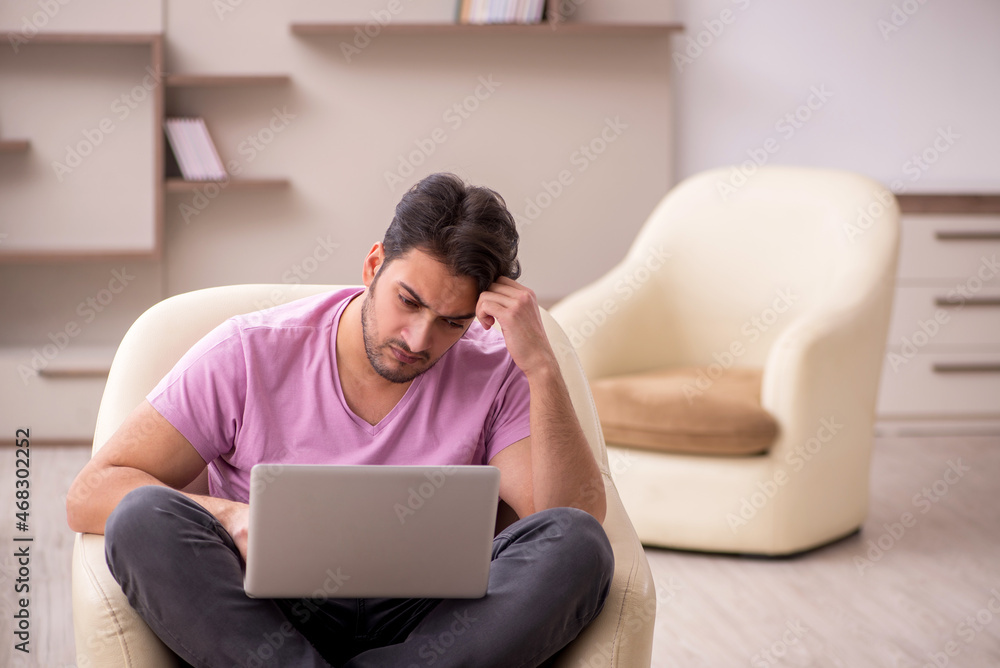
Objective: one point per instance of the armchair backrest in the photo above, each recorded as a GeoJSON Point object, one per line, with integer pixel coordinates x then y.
{"type": "Point", "coordinates": [727, 259]}
{"type": "Point", "coordinates": [161, 335]}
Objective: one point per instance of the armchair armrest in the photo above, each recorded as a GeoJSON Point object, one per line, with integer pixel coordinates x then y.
{"type": "Point", "coordinates": [622, 635]}
{"type": "Point", "coordinates": [821, 382]}
{"type": "Point", "coordinates": [109, 633]}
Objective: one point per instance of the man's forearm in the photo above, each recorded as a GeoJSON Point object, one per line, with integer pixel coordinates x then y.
{"type": "Point", "coordinates": [564, 471]}
{"type": "Point", "coordinates": [93, 497]}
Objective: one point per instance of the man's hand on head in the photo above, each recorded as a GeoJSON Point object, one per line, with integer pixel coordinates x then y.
{"type": "Point", "coordinates": [515, 307]}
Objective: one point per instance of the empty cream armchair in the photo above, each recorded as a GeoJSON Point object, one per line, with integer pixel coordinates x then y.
{"type": "Point", "coordinates": [735, 356]}
{"type": "Point", "coordinates": [110, 634]}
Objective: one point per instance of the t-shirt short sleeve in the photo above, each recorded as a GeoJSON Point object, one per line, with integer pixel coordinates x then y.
{"type": "Point", "coordinates": [204, 395]}
{"type": "Point", "coordinates": [510, 416]}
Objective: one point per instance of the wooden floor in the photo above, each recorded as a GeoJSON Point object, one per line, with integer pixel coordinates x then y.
{"type": "Point", "coordinates": [929, 593]}
{"type": "Point", "coordinates": [840, 606]}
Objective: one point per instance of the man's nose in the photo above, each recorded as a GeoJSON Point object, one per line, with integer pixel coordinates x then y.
{"type": "Point", "coordinates": [418, 335]}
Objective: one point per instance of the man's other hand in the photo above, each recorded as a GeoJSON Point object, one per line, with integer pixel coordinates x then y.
{"type": "Point", "coordinates": [235, 518]}
{"type": "Point", "coordinates": [515, 307]}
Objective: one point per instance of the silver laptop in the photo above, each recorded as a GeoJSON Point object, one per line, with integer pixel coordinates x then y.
{"type": "Point", "coordinates": [322, 531]}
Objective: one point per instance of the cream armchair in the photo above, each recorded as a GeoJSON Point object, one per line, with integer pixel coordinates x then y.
{"type": "Point", "coordinates": [110, 634]}
{"type": "Point", "coordinates": [790, 273]}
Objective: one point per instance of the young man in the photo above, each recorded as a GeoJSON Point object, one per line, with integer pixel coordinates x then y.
{"type": "Point", "coordinates": [396, 373]}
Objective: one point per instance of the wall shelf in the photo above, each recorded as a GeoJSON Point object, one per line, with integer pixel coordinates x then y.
{"type": "Point", "coordinates": [176, 184]}
{"type": "Point", "coordinates": [216, 80]}
{"type": "Point", "coordinates": [547, 27]}
{"type": "Point", "coordinates": [182, 186]}
{"type": "Point", "coordinates": [94, 38]}
{"type": "Point", "coordinates": [14, 145]}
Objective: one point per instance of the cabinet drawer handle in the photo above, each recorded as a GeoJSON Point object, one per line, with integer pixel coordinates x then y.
{"type": "Point", "coordinates": [967, 301]}
{"type": "Point", "coordinates": [90, 372]}
{"type": "Point", "coordinates": [967, 235]}
{"type": "Point", "coordinates": [970, 367]}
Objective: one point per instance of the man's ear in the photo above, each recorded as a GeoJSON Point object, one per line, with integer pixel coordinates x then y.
{"type": "Point", "coordinates": [373, 261]}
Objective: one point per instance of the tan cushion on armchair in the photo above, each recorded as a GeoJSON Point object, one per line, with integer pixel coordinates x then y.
{"type": "Point", "coordinates": [685, 410]}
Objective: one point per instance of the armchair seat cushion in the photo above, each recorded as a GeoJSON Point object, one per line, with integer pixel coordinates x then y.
{"type": "Point", "coordinates": [686, 410]}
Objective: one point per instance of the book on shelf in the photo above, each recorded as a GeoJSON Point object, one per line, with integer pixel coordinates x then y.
{"type": "Point", "coordinates": [194, 150]}
{"type": "Point", "coordinates": [501, 11]}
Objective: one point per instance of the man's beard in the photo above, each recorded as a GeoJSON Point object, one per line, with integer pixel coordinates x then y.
{"type": "Point", "coordinates": [378, 353]}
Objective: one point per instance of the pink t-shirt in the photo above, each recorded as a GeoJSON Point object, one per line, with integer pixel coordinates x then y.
{"type": "Point", "coordinates": [264, 388]}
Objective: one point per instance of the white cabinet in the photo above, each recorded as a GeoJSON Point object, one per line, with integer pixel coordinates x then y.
{"type": "Point", "coordinates": [60, 404]}
{"type": "Point", "coordinates": [942, 365]}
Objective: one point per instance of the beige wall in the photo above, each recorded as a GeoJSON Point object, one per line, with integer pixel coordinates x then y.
{"type": "Point", "coordinates": [23, 17]}
{"type": "Point", "coordinates": [391, 109]}
{"type": "Point", "coordinates": [345, 125]}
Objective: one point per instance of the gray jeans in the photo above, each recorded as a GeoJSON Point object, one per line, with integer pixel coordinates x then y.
{"type": "Point", "coordinates": [181, 571]}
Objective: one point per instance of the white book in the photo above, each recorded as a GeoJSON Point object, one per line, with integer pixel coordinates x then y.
{"type": "Point", "coordinates": [212, 163]}
{"type": "Point", "coordinates": [182, 148]}
{"type": "Point", "coordinates": [187, 136]}
{"type": "Point", "coordinates": [536, 11]}
{"type": "Point", "coordinates": [480, 11]}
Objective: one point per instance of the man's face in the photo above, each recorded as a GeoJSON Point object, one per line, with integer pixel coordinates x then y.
{"type": "Point", "coordinates": [414, 310]}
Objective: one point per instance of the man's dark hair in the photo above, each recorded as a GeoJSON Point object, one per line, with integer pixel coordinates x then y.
{"type": "Point", "coordinates": [466, 228]}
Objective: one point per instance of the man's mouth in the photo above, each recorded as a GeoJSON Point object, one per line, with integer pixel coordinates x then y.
{"type": "Point", "coordinates": [403, 357]}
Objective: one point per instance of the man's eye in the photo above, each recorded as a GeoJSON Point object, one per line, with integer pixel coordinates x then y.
{"type": "Point", "coordinates": [407, 302]}
{"type": "Point", "coordinates": [456, 325]}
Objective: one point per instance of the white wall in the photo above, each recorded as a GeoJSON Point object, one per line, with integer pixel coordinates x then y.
{"type": "Point", "coordinates": [898, 71]}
